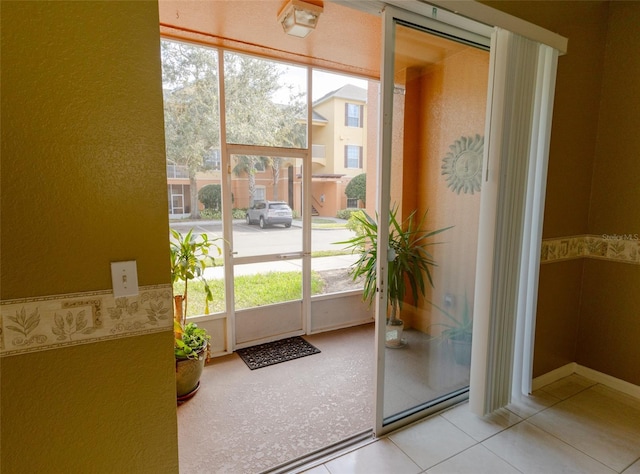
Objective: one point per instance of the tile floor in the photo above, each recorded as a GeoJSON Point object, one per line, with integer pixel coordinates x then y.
{"type": "Point", "coordinates": [571, 426]}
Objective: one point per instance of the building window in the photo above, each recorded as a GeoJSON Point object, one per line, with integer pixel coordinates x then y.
{"type": "Point", "coordinates": [353, 115]}
{"type": "Point", "coordinates": [352, 156]}
{"type": "Point", "coordinates": [212, 160]}
{"type": "Point", "coordinates": [176, 171]}
{"type": "Point", "coordinates": [352, 203]}
{"type": "Point", "coordinates": [177, 193]}
{"type": "Point", "coordinates": [260, 194]}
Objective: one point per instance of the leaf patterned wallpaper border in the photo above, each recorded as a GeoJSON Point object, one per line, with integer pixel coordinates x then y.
{"type": "Point", "coordinates": [615, 247]}
{"type": "Point", "coordinates": [37, 324]}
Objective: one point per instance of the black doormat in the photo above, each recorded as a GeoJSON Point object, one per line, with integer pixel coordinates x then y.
{"type": "Point", "coordinates": [275, 352]}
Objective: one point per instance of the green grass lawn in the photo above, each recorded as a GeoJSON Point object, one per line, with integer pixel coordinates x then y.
{"type": "Point", "coordinates": [250, 291]}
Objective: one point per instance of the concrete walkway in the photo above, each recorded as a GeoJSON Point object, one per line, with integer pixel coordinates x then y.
{"type": "Point", "coordinates": [317, 264]}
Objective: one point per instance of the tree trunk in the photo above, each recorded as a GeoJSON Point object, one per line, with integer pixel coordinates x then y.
{"type": "Point", "coordinates": [193, 188]}
{"type": "Point", "coordinates": [178, 309]}
{"type": "Point", "coordinates": [276, 177]}
{"type": "Point", "coordinates": [252, 186]}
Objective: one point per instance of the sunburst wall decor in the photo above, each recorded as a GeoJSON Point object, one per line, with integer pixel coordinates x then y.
{"type": "Point", "coordinates": [462, 166]}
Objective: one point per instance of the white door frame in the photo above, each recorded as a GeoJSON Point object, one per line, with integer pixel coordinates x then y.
{"type": "Point", "coordinates": [469, 35]}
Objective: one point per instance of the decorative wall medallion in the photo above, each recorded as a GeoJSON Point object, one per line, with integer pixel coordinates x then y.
{"type": "Point", "coordinates": [462, 166]}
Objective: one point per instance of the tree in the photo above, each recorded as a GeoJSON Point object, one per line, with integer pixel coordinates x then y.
{"type": "Point", "coordinates": [248, 165]}
{"type": "Point", "coordinates": [190, 78]}
{"type": "Point", "coordinates": [357, 188]}
{"type": "Point", "coordinates": [192, 123]}
{"type": "Point", "coordinates": [211, 196]}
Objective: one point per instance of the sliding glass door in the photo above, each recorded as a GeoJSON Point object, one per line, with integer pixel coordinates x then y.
{"type": "Point", "coordinates": [434, 107]}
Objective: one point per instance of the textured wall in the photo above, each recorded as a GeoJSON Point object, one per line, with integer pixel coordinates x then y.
{"type": "Point", "coordinates": [82, 138]}
{"type": "Point", "coordinates": [610, 312]}
{"type": "Point", "coordinates": [588, 310]}
{"type": "Point", "coordinates": [445, 102]}
{"type": "Point", "coordinates": [571, 158]}
{"type": "Point", "coordinates": [83, 184]}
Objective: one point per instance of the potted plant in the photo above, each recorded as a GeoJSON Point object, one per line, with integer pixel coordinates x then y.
{"type": "Point", "coordinates": [458, 331]}
{"type": "Point", "coordinates": [409, 263]}
{"type": "Point", "coordinates": [190, 255]}
{"type": "Point", "coordinates": [191, 351]}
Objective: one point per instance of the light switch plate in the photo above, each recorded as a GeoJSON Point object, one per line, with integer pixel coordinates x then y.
{"type": "Point", "coordinates": [124, 277]}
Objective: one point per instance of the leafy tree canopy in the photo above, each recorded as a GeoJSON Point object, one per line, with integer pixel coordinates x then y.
{"type": "Point", "coordinates": [191, 106]}
{"type": "Point", "coordinates": [357, 188]}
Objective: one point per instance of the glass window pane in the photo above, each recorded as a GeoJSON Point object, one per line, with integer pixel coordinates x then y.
{"type": "Point", "coordinates": [335, 98]}
{"type": "Point", "coordinates": [438, 122]}
{"type": "Point", "coordinates": [191, 116]}
{"type": "Point", "coordinates": [353, 115]}
{"type": "Point", "coordinates": [261, 284]}
{"type": "Point", "coordinates": [266, 215]}
{"type": "Point", "coordinates": [266, 102]}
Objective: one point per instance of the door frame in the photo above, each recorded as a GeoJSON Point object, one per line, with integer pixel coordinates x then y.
{"type": "Point", "coordinates": [230, 260]}
{"type": "Point", "coordinates": [462, 30]}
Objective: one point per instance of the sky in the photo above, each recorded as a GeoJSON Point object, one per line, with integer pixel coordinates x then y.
{"type": "Point", "coordinates": [323, 82]}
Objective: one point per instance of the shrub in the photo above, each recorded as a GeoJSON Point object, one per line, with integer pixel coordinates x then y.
{"type": "Point", "coordinates": [211, 196]}
{"type": "Point", "coordinates": [355, 221]}
{"type": "Point", "coordinates": [238, 213]}
{"type": "Point", "coordinates": [210, 214]}
{"type": "Point", "coordinates": [357, 188]}
{"type": "Point", "coordinates": [346, 213]}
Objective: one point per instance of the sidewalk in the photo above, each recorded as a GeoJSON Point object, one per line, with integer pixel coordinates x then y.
{"type": "Point", "coordinates": [317, 264]}
{"type": "Point", "coordinates": [296, 222]}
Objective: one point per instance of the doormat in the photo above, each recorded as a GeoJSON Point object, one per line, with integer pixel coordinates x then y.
{"type": "Point", "coordinates": [275, 352]}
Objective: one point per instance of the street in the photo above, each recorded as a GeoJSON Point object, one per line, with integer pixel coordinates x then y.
{"type": "Point", "coordinates": [251, 240]}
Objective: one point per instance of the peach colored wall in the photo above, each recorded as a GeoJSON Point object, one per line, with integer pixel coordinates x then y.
{"type": "Point", "coordinates": [444, 102]}
{"type": "Point", "coordinates": [345, 39]}
{"type": "Point", "coordinates": [373, 136]}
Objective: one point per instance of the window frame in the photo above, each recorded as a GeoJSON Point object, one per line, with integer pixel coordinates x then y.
{"type": "Point", "coordinates": [360, 149]}
{"type": "Point", "coordinates": [359, 117]}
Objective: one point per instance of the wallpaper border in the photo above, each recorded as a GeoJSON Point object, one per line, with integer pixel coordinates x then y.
{"type": "Point", "coordinates": [615, 248]}
{"type": "Point", "coordinates": [52, 322]}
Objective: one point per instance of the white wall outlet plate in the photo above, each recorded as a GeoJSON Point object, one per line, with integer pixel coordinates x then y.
{"type": "Point", "coordinates": [124, 277]}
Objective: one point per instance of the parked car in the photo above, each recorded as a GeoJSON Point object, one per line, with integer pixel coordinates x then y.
{"type": "Point", "coordinates": [267, 213]}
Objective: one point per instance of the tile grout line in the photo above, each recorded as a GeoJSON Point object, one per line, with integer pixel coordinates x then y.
{"type": "Point", "coordinates": [566, 442]}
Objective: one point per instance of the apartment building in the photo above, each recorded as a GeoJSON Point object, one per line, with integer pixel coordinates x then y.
{"type": "Point", "coordinates": [84, 184]}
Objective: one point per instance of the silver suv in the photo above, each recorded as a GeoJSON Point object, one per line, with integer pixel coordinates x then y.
{"type": "Point", "coordinates": [269, 212]}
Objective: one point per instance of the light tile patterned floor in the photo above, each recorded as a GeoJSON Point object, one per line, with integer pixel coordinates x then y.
{"type": "Point", "coordinates": [571, 426]}
{"type": "Point", "coordinates": [244, 422]}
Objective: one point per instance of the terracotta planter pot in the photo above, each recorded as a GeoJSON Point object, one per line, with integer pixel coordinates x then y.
{"type": "Point", "coordinates": [188, 372]}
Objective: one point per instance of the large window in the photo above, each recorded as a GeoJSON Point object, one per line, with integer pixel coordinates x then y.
{"type": "Point", "coordinates": [265, 100]}
{"type": "Point", "coordinates": [352, 156]}
{"type": "Point", "coordinates": [353, 115]}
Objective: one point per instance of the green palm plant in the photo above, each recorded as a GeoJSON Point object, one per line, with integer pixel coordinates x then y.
{"type": "Point", "coordinates": [190, 255]}
{"type": "Point", "coordinates": [410, 261]}
{"type": "Point", "coordinates": [456, 329]}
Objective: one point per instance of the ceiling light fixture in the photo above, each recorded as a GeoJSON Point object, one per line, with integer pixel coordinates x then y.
{"type": "Point", "coordinates": [299, 18]}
